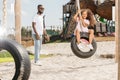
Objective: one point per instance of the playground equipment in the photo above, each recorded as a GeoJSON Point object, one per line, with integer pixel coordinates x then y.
{"type": "Point", "coordinates": [83, 52]}
{"type": "Point", "coordinates": [103, 9]}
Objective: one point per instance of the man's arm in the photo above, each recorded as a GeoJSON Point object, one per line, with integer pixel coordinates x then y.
{"type": "Point", "coordinates": [37, 35]}
{"type": "Point", "coordinates": [44, 30]}
{"type": "Point", "coordinates": [33, 25]}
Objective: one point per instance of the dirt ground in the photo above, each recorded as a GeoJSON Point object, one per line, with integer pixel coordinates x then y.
{"type": "Point", "coordinates": [64, 65]}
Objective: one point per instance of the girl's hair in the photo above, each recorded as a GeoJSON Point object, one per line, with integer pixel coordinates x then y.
{"type": "Point", "coordinates": [90, 16]}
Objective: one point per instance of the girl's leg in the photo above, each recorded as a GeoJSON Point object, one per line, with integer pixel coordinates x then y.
{"type": "Point", "coordinates": [91, 35]}
{"type": "Point", "coordinates": [78, 36]}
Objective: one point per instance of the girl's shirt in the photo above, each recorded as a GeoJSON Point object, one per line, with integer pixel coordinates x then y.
{"type": "Point", "coordinates": [81, 28]}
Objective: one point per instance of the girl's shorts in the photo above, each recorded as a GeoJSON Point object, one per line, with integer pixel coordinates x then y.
{"type": "Point", "coordinates": [90, 27]}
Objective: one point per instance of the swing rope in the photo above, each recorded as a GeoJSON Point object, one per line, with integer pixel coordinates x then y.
{"type": "Point", "coordinates": [78, 6]}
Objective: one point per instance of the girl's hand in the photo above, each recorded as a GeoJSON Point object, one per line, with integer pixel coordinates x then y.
{"type": "Point", "coordinates": [80, 17]}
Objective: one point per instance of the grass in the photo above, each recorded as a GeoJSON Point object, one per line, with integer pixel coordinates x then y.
{"type": "Point", "coordinates": [7, 57]}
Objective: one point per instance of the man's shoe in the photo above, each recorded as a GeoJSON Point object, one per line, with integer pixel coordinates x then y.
{"type": "Point", "coordinates": [38, 63]}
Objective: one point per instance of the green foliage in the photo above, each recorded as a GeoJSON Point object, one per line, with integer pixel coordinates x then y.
{"type": "Point", "coordinates": [5, 57]}
{"type": "Point", "coordinates": [25, 32]}
{"type": "Point", "coordinates": [103, 20]}
{"type": "Point", "coordinates": [53, 32]}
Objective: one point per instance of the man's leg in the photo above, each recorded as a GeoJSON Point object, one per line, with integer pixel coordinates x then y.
{"type": "Point", "coordinates": [36, 48]}
{"type": "Point", "coordinates": [40, 44]}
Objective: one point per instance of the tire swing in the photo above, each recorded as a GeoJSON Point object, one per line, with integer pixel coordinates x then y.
{"type": "Point", "coordinates": [84, 52]}
{"type": "Point", "coordinates": [20, 56]}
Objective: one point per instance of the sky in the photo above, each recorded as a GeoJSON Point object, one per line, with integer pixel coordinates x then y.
{"type": "Point", "coordinates": [53, 11]}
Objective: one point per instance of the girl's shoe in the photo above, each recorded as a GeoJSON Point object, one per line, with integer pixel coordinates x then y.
{"type": "Point", "coordinates": [79, 46]}
{"type": "Point", "coordinates": [90, 46]}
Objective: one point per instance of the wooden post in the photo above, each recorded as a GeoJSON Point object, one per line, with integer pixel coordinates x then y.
{"type": "Point", "coordinates": [4, 14]}
{"type": "Point", "coordinates": [116, 31]}
{"type": "Point", "coordinates": [117, 22]}
{"type": "Point", "coordinates": [18, 20]}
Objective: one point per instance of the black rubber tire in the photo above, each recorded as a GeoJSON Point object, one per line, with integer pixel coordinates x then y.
{"type": "Point", "coordinates": [21, 58]}
{"type": "Point", "coordinates": [78, 52]}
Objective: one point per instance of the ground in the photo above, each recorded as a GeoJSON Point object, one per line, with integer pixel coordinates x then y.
{"type": "Point", "coordinates": [29, 42]}
{"type": "Point", "coordinates": [64, 65]}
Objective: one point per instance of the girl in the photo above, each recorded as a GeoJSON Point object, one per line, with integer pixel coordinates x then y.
{"type": "Point", "coordinates": [87, 25]}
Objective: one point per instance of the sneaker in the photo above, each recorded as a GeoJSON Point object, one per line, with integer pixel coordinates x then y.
{"type": "Point", "coordinates": [38, 63]}
{"type": "Point", "coordinates": [90, 46]}
{"type": "Point", "coordinates": [79, 46]}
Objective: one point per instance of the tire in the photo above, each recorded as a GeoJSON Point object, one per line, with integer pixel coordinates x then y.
{"type": "Point", "coordinates": [78, 52]}
{"type": "Point", "coordinates": [20, 55]}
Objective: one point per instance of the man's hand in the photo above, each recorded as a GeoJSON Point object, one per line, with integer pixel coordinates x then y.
{"type": "Point", "coordinates": [37, 37]}
{"type": "Point", "coordinates": [80, 17]}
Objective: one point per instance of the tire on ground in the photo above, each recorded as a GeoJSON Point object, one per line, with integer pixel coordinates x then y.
{"type": "Point", "coordinates": [21, 58]}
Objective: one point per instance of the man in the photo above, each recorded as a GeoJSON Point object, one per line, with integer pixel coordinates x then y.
{"type": "Point", "coordinates": [37, 33]}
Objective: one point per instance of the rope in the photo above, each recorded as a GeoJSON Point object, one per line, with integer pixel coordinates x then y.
{"type": "Point", "coordinates": [78, 5]}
